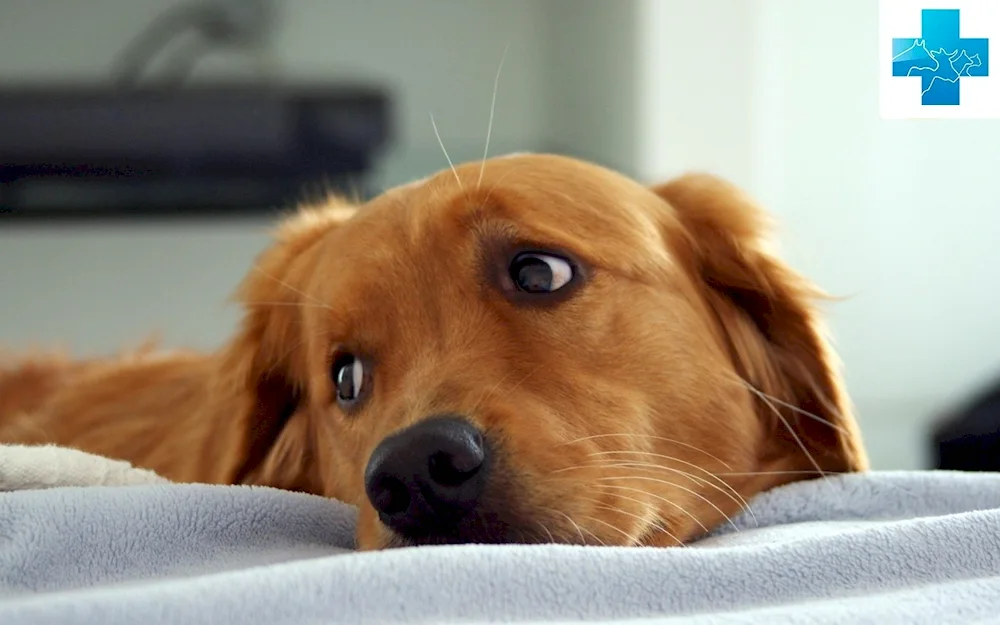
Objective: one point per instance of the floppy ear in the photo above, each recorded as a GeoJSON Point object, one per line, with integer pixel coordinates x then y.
{"type": "Point", "coordinates": [767, 314]}
{"type": "Point", "coordinates": [258, 391]}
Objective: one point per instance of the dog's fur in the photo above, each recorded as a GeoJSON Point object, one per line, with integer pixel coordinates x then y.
{"type": "Point", "coordinates": [684, 373]}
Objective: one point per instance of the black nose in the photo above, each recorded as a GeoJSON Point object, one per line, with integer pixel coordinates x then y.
{"type": "Point", "coordinates": [425, 479]}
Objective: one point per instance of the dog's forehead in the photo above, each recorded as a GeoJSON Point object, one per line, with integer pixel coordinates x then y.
{"type": "Point", "coordinates": [602, 218]}
{"type": "Point", "coordinates": [541, 194]}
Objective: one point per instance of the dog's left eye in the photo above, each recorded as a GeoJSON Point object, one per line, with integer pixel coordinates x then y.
{"type": "Point", "coordinates": [349, 378]}
{"type": "Point", "coordinates": [540, 273]}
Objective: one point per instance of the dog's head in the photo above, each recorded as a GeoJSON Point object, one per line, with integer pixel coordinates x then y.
{"type": "Point", "coordinates": [535, 349]}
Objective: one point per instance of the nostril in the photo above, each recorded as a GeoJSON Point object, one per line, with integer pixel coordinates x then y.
{"type": "Point", "coordinates": [452, 470]}
{"type": "Point", "coordinates": [390, 496]}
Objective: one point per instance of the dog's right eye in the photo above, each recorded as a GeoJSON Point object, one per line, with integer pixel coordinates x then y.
{"type": "Point", "coordinates": [350, 378]}
{"type": "Point", "coordinates": [540, 273]}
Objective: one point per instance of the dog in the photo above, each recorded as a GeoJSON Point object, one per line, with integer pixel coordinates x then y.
{"type": "Point", "coordinates": [525, 349]}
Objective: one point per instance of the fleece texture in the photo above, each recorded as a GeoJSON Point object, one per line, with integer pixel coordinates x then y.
{"type": "Point", "coordinates": [881, 548]}
{"type": "Point", "coordinates": [26, 467]}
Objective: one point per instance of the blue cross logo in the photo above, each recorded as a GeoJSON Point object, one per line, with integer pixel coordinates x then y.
{"type": "Point", "coordinates": [940, 57]}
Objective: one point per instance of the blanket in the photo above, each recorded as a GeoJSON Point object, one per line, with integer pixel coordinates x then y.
{"type": "Point", "coordinates": [25, 467]}
{"type": "Point", "coordinates": [920, 547]}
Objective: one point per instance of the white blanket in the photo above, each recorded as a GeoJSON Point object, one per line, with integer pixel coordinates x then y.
{"type": "Point", "coordinates": [884, 548]}
{"type": "Point", "coordinates": [25, 467]}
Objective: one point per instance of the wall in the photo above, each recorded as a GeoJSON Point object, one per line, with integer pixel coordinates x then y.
{"type": "Point", "coordinates": [592, 80]}
{"type": "Point", "coordinates": [899, 217]}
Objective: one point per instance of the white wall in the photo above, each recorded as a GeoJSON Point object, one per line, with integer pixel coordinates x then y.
{"type": "Point", "coordinates": [95, 289]}
{"type": "Point", "coordinates": [902, 216]}
{"type": "Point", "coordinates": [591, 80]}
{"type": "Point", "coordinates": [899, 217]}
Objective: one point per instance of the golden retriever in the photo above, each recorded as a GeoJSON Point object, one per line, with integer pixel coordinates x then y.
{"type": "Point", "coordinates": [526, 349]}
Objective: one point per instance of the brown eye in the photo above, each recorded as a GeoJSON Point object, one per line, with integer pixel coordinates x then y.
{"type": "Point", "coordinates": [540, 273]}
{"type": "Point", "coordinates": [350, 378]}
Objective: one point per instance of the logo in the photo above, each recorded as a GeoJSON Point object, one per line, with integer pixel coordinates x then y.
{"type": "Point", "coordinates": [936, 60]}
{"type": "Point", "coordinates": [940, 57]}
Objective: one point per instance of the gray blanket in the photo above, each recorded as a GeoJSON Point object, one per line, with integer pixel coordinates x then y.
{"type": "Point", "coordinates": [882, 548]}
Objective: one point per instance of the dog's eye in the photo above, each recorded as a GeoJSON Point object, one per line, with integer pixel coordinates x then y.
{"type": "Point", "coordinates": [349, 377]}
{"type": "Point", "coordinates": [540, 273]}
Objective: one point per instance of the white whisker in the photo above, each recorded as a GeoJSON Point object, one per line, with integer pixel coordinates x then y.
{"type": "Point", "coordinates": [486, 200]}
{"type": "Point", "coordinates": [446, 156]}
{"type": "Point", "coordinates": [674, 484]}
{"type": "Point", "coordinates": [733, 494]}
{"type": "Point", "coordinates": [791, 431]}
{"type": "Point", "coordinates": [576, 525]}
{"type": "Point", "coordinates": [493, 106]}
{"type": "Point", "coordinates": [489, 391]}
{"type": "Point", "coordinates": [291, 304]}
{"type": "Point", "coordinates": [293, 289]}
{"type": "Point", "coordinates": [629, 540]}
{"type": "Point", "coordinates": [547, 532]}
{"type": "Point", "coordinates": [753, 473]}
{"type": "Point", "coordinates": [656, 525]}
{"type": "Point", "coordinates": [805, 413]}
{"type": "Point", "coordinates": [299, 344]}
{"type": "Point", "coordinates": [796, 409]}
{"type": "Point", "coordinates": [651, 437]}
{"type": "Point", "coordinates": [735, 497]}
{"type": "Point", "coordinates": [654, 496]}
{"type": "Point", "coordinates": [502, 379]}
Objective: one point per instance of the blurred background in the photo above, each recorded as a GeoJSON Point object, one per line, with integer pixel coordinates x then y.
{"type": "Point", "coordinates": [186, 128]}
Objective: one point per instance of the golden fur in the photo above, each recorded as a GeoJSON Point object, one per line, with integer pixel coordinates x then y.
{"type": "Point", "coordinates": [686, 373]}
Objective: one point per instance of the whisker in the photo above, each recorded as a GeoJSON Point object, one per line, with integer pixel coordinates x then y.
{"type": "Point", "coordinates": [647, 466]}
{"type": "Point", "coordinates": [753, 473]}
{"type": "Point", "coordinates": [576, 525]}
{"type": "Point", "coordinates": [628, 537]}
{"type": "Point", "coordinates": [493, 106]}
{"type": "Point", "coordinates": [292, 288]}
{"type": "Point", "coordinates": [446, 156]}
{"type": "Point", "coordinates": [497, 183]}
{"type": "Point", "coordinates": [654, 496]}
{"type": "Point", "coordinates": [547, 532]}
{"type": "Point", "coordinates": [526, 377]}
{"type": "Point", "coordinates": [806, 472]}
{"type": "Point", "coordinates": [805, 413]}
{"type": "Point", "coordinates": [486, 393]}
{"type": "Point", "coordinates": [684, 488]}
{"type": "Point", "coordinates": [295, 304]}
{"type": "Point", "coordinates": [502, 379]}
{"type": "Point", "coordinates": [305, 340]}
{"type": "Point", "coordinates": [792, 431]}
{"type": "Point", "coordinates": [656, 525]}
{"type": "Point", "coordinates": [735, 495]}
{"type": "Point", "coordinates": [593, 535]}
{"type": "Point", "coordinates": [651, 437]}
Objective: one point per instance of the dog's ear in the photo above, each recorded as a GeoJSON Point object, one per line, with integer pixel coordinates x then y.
{"type": "Point", "coordinates": [767, 314]}
{"type": "Point", "coordinates": [259, 391]}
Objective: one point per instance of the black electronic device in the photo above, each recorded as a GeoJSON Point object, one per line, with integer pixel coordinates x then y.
{"type": "Point", "coordinates": [195, 150]}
